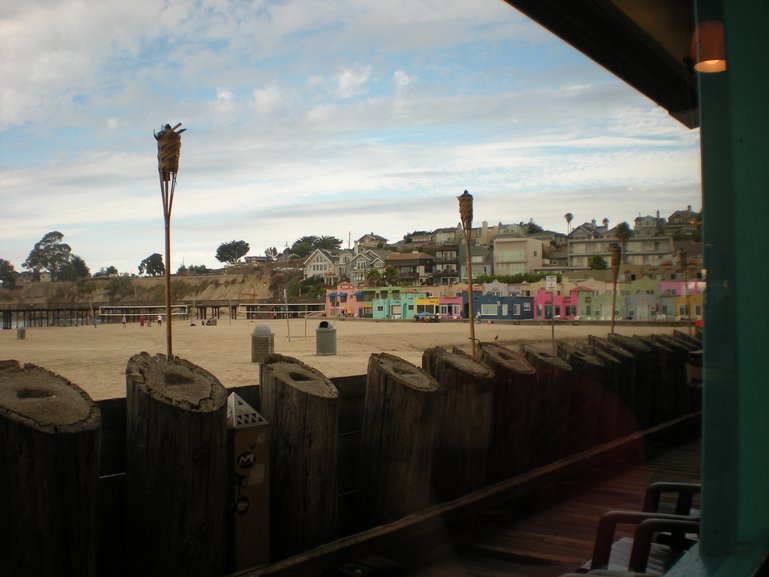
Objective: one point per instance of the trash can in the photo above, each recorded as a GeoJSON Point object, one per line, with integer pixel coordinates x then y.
{"type": "Point", "coordinates": [325, 339]}
{"type": "Point", "coordinates": [262, 343]}
{"type": "Point", "coordinates": [21, 334]}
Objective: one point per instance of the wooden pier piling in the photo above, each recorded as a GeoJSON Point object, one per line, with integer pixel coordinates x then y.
{"type": "Point", "coordinates": [176, 468]}
{"type": "Point", "coordinates": [465, 422]}
{"type": "Point", "coordinates": [551, 440]}
{"type": "Point", "coordinates": [586, 394]}
{"type": "Point", "coordinates": [302, 407]}
{"type": "Point", "coordinates": [516, 412]}
{"type": "Point", "coordinates": [400, 425]}
{"type": "Point", "coordinates": [50, 434]}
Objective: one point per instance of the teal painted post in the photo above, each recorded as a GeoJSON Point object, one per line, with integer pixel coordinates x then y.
{"type": "Point", "coordinates": [735, 183]}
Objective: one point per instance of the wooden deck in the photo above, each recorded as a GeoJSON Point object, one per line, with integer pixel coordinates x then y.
{"type": "Point", "coordinates": [557, 538]}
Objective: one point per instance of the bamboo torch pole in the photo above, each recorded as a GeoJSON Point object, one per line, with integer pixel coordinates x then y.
{"type": "Point", "coordinates": [169, 145]}
{"type": "Point", "coordinates": [466, 215]}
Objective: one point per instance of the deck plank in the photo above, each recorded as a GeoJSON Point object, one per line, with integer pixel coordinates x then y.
{"type": "Point", "coordinates": [563, 534]}
{"type": "Point", "coordinates": [559, 538]}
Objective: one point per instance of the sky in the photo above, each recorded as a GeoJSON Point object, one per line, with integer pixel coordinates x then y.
{"type": "Point", "coordinates": [312, 117]}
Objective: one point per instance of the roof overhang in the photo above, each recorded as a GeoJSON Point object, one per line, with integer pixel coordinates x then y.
{"type": "Point", "coordinates": [646, 43]}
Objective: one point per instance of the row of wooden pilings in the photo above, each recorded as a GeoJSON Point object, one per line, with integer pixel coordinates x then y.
{"type": "Point", "coordinates": [343, 456]}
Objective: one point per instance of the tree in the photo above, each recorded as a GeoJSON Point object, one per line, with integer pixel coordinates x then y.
{"type": "Point", "coordinates": [623, 232]}
{"type": "Point", "coordinates": [109, 271]}
{"type": "Point", "coordinates": [373, 277]}
{"type": "Point", "coordinates": [232, 251]}
{"type": "Point", "coordinates": [327, 243]}
{"type": "Point", "coordinates": [532, 227]}
{"type": "Point", "coordinates": [74, 269]}
{"type": "Point", "coordinates": [597, 262]}
{"type": "Point", "coordinates": [48, 254]}
{"type": "Point", "coordinates": [7, 274]}
{"type": "Point", "coordinates": [303, 246]}
{"type": "Point", "coordinates": [271, 252]}
{"type": "Point", "coordinates": [152, 265]}
{"type": "Point", "coordinates": [390, 275]}
{"type": "Point", "coordinates": [569, 217]}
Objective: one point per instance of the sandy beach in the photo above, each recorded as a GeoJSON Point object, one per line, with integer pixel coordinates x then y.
{"type": "Point", "coordinates": [95, 358]}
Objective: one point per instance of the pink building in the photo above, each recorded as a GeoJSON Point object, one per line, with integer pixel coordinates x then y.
{"type": "Point", "coordinates": [566, 306]}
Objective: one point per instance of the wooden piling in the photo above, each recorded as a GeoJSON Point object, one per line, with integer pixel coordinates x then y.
{"type": "Point", "coordinates": [176, 468]}
{"type": "Point", "coordinates": [400, 424]}
{"type": "Point", "coordinates": [586, 394]}
{"type": "Point", "coordinates": [554, 387]}
{"type": "Point", "coordinates": [645, 376]}
{"type": "Point", "coordinates": [302, 407]}
{"type": "Point", "coordinates": [694, 340]}
{"type": "Point", "coordinates": [609, 379]}
{"type": "Point", "coordinates": [464, 424]}
{"type": "Point", "coordinates": [49, 473]}
{"type": "Point", "coordinates": [516, 412]}
{"type": "Point", "coordinates": [679, 352]}
{"type": "Point", "coordinates": [664, 390]}
{"type": "Point", "coordinates": [627, 420]}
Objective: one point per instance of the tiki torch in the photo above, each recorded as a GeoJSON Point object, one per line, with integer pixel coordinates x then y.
{"type": "Point", "coordinates": [466, 215]}
{"type": "Point", "coordinates": [169, 144]}
{"type": "Point", "coordinates": [616, 256]}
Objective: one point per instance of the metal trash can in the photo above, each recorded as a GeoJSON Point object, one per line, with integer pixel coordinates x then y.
{"type": "Point", "coordinates": [262, 343]}
{"type": "Point", "coordinates": [325, 339]}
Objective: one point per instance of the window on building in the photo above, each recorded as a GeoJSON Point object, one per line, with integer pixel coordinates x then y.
{"type": "Point", "coordinates": [489, 310]}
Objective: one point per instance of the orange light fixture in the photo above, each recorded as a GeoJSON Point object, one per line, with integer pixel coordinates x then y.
{"type": "Point", "coordinates": [708, 51]}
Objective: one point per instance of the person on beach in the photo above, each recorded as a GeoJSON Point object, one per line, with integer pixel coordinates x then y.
{"type": "Point", "coordinates": [124, 321]}
{"type": "Point", "coordinates": [160, 320]}
{"type": "Point", "coordinates": [141, 321]}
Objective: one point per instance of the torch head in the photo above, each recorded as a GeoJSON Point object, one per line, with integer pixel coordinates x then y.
{"type": "Point", "coordinates": [169, 146]}
{"type": "Point", "coordinates": [466, 210]}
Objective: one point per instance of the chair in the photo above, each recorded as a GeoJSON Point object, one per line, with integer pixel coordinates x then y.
{"type": "Point", "coordinates": [659, 538]}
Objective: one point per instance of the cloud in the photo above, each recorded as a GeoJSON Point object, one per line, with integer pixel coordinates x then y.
{"type": "Point", "coordinates": [321, 117]}
{"type": "Point", "coordinates": [351, 82]}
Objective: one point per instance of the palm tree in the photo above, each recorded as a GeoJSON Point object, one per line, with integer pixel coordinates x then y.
{"type": "Point", "coordinates": [623, 232]}
{"type": "Point", "coordinates": [569, 217]}
{"type": "Point", "coordinates": [605, 224]}
{"type": "Point", "coordinates": [327, 242]}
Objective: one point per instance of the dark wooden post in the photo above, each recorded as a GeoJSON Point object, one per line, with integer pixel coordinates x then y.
{"type": "Point", "coordinates": [663, 404]}
{"type": "Point", "coordinates": [627, 382]}
{"type": "Point", "coordinates": [554, 384]}
{"type": "Point", "coordinates": [49, 474]}
{"type": "Point", "coordinates": [586, 393]}
{"type": "Point", "coordinates": [176, 468]}
{"type": "Point", "coordinates": [679, 352]}
{"type": "Point", "coordinates": [695, 341]}
{"type": "Point", "coordinates": [516, 412]}
{"type": "Point", "coordinates": [400, 424]}
{"type": "Point", "coordinates": [465, 422]}
{"type": "Point", "coordinates": [645, 375]}
{"type": "Point", "coordinates": [302, 407]}
{"type": "Point", "coordinates": [611, 406]}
